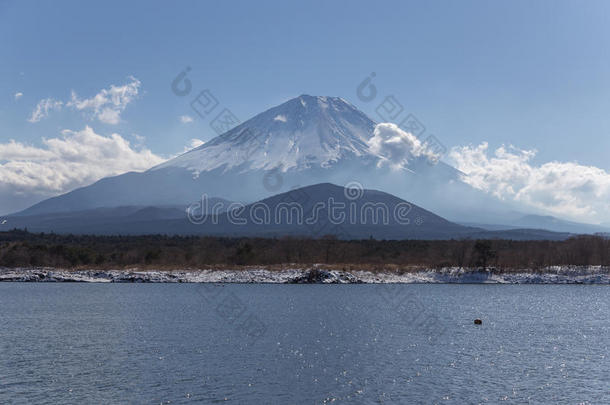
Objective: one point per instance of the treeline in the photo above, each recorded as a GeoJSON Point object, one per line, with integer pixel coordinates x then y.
{"type": "Point", "coordinates": [23, 249]}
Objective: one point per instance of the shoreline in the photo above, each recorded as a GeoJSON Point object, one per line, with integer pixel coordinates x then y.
{"type": "Point", "coordinates": [318, 274]}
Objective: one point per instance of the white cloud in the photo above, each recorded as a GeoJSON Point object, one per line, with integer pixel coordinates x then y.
{"type": "Point", "coordinates": [185, 119]}
{"type": "Point", "coordinates": [280, 117]}
{"type": "Point", "coordinates": [568, 189]}
{"type": "Point", "coordinates": [107, 105]}
{"type": "Point", "coordinates": [43, 108]}
{"type": "Point", "coordinates": [18, 95]}
{"type": "Point", "coordinates": [75, 159]}
{"type": "Point", "coordinates": [397, 147]}
{"type": "Point", "coordinates": [195, 143]}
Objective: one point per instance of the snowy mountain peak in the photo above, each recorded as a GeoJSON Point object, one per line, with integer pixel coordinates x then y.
{"type": "Point", "coordinates": [303, 132]}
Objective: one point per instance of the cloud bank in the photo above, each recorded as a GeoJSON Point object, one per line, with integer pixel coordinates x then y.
{"type": "Point", "coordinates": [568, 189]}
{"type": "Point", "coordinates": [75, 159]}
{"type": "Point", "coordinates": [397, 147]}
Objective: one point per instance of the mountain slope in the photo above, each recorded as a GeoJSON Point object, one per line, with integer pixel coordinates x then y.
{"type": "Point", "coordinates": [304, 141]}
{"type": "Point", "coordinates": [301, 133]}
{"type": "Point", "coordinates": [546, 222]}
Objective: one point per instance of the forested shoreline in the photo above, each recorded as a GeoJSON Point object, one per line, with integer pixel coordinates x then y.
{"type": "Point", "coordinates": [24, 249]}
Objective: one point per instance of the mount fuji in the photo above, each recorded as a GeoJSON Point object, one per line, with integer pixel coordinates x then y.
{"type": "Point", "coordinates": [303, 142]}
{"type": "Point", "coordinates": [300, 134]}
{"type": "Point", "coordinates": [306, 140]}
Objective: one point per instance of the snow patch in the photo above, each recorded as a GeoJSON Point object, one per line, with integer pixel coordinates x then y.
{"type": "Point", "coordinates": [317, 274]}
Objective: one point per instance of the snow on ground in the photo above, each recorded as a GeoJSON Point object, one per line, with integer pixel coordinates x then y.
{"type": "Point", "coordinates": [550, 275]}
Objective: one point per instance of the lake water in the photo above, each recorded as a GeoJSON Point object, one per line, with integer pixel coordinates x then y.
{"type": "Point", "coordinates": [304, 344]}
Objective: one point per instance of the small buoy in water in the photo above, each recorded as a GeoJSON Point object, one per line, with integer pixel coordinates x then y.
{"type": "Point", "coordinates": [478, 322]}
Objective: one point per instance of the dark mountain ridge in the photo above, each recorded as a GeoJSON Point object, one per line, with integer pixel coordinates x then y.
{"type": "Point", "coordinates": [312, 212]}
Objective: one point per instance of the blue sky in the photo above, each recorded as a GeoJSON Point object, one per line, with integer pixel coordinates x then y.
{"type": "Point", "coordinates": [533, 74]}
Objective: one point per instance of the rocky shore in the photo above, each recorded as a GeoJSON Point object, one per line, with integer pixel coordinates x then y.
{"type": "Point", "coordinates": [315, 275]}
